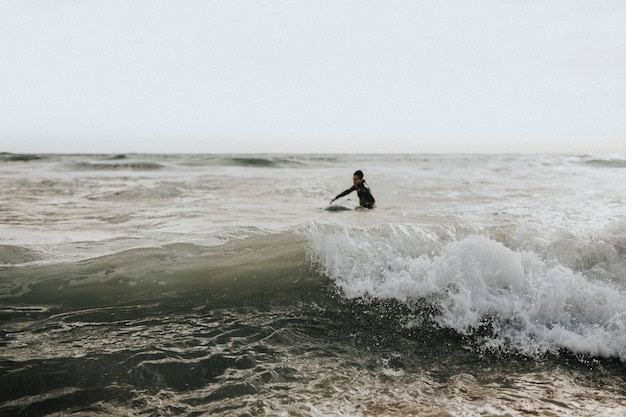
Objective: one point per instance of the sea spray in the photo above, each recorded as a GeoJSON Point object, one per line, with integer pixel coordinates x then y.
{"type": "Point", "coordinates": [529, 305]}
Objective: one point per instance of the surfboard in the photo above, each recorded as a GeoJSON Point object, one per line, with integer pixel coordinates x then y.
{"type": "Point", "coordinates": [341, 206]}
{"type": "Point", "coordinates": [338, 207]}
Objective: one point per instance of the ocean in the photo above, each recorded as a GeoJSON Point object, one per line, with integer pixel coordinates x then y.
{"type": "Point", "coordinates": [220, 285]}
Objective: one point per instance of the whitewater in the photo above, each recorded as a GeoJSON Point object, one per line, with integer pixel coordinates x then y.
{"type": "Point", "coordinates": [154, 285]}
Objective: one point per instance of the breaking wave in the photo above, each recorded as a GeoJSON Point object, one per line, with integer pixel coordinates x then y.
{"type": "Point", "coordinates": [507, 300]}
{"type": "Point", "coordinates": [504, 299]}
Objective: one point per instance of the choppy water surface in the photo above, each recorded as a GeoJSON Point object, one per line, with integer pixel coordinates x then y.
{"type": "Point", "coordinates": [218, 285]}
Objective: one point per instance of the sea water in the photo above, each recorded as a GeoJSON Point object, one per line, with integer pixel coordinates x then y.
{"type": "Point", "coordinates": [154, 285]}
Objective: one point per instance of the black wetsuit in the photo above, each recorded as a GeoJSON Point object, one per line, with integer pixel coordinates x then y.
{"type": "Point", "coordinates": [366, 199]}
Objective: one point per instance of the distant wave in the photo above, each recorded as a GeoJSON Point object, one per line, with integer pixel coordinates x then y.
{"type": "Point", "coordinates": [608, 163]}
{"type": "Point", "coordinates": [10, 157]}
{"type": "Point", "coordinates": [266, 162]}
{"type": "Point", "coordinates": [280, 161]}
{"type": "Point", "coordinates": [255, 162]}
{"type": "Point", "coordinates": [118, 163]}
{"type": "Point", "coordinates": [158, 161]}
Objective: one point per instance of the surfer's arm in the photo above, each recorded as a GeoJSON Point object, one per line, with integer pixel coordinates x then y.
{"type": "Point", "coordinates": [348, 191]}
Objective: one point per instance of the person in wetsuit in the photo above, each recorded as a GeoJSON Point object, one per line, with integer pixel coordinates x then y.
{"type": "Point", "coordinates": [366, 199]}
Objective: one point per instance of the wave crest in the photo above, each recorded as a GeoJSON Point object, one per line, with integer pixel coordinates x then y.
{"type": "Point", "coordinates": [508, 299]}
{"type": "Point", "coordinates": [119, 164]}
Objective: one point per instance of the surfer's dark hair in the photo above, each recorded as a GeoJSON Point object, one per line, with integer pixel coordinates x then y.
{"type": "Point", "coordinates": [359, 174]}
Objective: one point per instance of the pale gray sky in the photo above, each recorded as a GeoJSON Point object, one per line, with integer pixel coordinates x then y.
{"type": "Point", "coordinates": [313, 76]}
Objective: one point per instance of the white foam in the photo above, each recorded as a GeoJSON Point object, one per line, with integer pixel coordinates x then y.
{"type": "Point", "coordinates": [533, 304]}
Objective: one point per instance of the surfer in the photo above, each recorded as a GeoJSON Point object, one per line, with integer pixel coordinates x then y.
{"type": "Point", "coordinates": [366, 199]}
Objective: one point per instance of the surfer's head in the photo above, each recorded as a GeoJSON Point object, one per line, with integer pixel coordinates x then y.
{"type": "Point", "coordinates": [357, 177]}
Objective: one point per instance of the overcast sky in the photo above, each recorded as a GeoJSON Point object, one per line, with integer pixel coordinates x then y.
{"type": "Point", "coordinates": [313, 76]}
